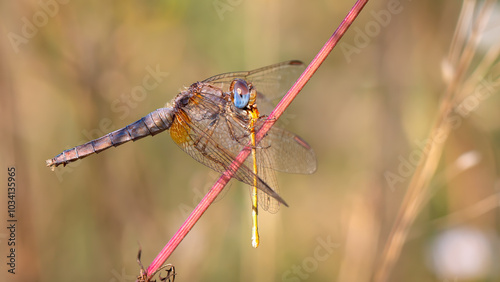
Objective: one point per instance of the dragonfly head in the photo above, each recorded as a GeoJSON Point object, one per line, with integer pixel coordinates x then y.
{"type": "Point", "coordinates": [242, 93]}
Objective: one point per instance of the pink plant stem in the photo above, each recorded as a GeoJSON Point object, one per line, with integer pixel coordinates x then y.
{"type": "Point", "coordinates": [280, 108]}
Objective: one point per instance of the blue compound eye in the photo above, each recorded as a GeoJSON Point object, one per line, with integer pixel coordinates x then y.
{"type": "Point", "coordinates": [241, 93]}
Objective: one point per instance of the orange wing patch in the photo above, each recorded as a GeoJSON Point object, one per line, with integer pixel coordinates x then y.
{"type": "Point", "coordinates": [179, 131]}
{"type": "Point", "coordinates": [196, 98]}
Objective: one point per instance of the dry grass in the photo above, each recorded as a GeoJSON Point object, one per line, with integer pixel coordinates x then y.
{"type": "Point", "coordinates": [461, 78]}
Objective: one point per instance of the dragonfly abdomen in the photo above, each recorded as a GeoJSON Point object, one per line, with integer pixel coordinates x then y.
{"type": "Point", "coordinates": [152, 124]}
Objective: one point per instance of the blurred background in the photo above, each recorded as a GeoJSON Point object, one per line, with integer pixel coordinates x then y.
{"type": "Point", "coordinates": [67, 74]}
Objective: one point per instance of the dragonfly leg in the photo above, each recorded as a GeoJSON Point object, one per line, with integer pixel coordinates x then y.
{"type": "Point", "coordinates": [242, 140]}
{"type": "Point", "coordinates": [207, 134]}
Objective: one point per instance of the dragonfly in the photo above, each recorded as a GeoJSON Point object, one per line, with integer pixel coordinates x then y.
{"type": "Point", "coordinates": [213, 120]}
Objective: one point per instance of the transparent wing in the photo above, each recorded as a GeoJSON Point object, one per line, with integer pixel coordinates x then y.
{"type": "Point", "coordinates": [200, 129]}
{"type": "Point", "coordinates": [287, 151]}
{"type": "Point", "coordinates": [272, 81]}
{"type": "Point", "coordinates": [213, 137]}
{"type": "Point", "coordinates": [265, 163]}
{"type": "Point", "coordinates": [284, 151]}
